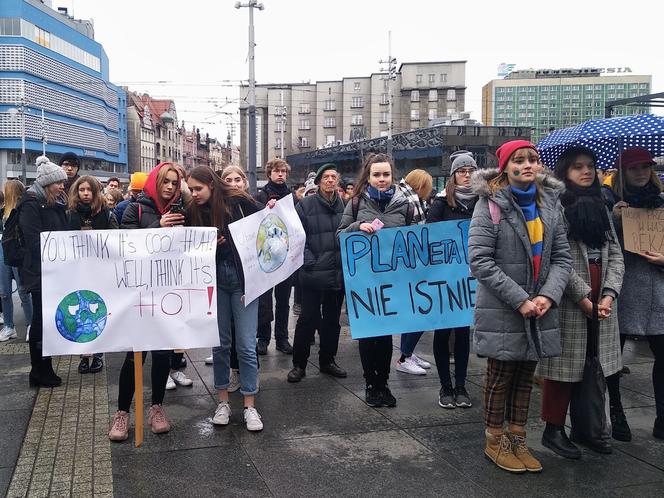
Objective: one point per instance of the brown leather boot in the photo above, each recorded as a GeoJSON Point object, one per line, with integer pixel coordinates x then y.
{"type": "Point", "coordinates": [499, 450]}
{"type": "Point", "coordinates": [522, 452]}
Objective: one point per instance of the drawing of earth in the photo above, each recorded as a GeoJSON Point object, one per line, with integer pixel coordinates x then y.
{"type": "Point", "coordinates": [271, 243]}
{"type": "Point", "coordinates": [81, 316]}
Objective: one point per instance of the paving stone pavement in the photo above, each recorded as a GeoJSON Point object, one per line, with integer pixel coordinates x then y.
{"type": "Point", "coordinates": [320, 438]}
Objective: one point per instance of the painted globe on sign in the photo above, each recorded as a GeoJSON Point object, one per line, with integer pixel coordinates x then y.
{"type": "Point", "coordinates": [81, 316]}
{"type": "Point", "coordinates": [271, 243]}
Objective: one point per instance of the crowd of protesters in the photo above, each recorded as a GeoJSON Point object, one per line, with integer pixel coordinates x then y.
{"type": "Point", "coordinates": [555, 285]}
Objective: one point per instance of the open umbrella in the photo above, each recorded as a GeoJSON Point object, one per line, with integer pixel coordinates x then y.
{"type": "Point", "coordinates": [606, 138]}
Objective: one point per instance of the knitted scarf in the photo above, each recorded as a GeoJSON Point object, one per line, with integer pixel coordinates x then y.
{"type": "Point", "coordinates": [648, 197]}
{"type": "Point", "coordinates": [280, 189]}
{"type": "Point", "coordinates": [526, 201]}
{"type": "Point", "coordinates": [382, 198]}
{"type": "Point", "coordinates": [465, 197]}
{"type": "Point", "coordinates": [586, 214]}
{"type": "Point", "coordinates": [419, 205]}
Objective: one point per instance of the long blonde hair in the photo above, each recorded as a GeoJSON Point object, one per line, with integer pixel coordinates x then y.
{"type": "Point", "coordinates": [13, 191]}
{"type": "Point", "coordinates": [421, 182]}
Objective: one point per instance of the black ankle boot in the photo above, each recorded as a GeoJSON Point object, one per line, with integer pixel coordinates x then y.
{"type": "Point", "coordinates": [41, 378]}
{"type": "Point", "coordinates": [556, 440]}
{"type": "Point", "coordinates": [619, 427]}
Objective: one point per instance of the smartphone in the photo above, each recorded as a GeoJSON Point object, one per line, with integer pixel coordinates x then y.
{"type": "Point", "coordinates": [176, 209]}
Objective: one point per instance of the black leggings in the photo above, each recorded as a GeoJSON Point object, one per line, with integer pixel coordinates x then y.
{"type": "Point", "coordinates": [161, 364]}
{"type": "Point", "coordinates": [441, 352]}
{"type": "Point", "coordinates": [376, 355]}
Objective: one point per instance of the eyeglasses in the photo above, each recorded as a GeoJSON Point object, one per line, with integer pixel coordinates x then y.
{"type": "Point", "coordinates": [465, 172]}
{"type": "Point", "coordinates": [68, 165]}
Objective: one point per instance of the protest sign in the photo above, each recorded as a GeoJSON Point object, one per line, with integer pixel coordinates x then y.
{"type": "Point", "coordinates": [408, 279]}
{"type": "Point", "coordinates": [643, 229]}
{"type": "Point", "coordinates": [271, 246]}
{"type": "Point", "coordinates": [129, 290]}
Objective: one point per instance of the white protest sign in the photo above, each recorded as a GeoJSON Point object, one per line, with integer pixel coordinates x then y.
{"type": "Point", "coordinates": [129, 290]}
{"type": "Point", "coordinates": [271, 246]}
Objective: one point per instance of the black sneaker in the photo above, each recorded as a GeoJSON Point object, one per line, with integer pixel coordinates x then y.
{"type": "Point", "coordinates": [620, 430]}
{"type": "Point", "coordinates": [96, 365]}
{"type": "Point", "coordinates": [461, 398]}
{"type": "Point", "coordinates": [387, 398]}
{"type": "Point", "coordinates": [446, 397]}
{"type": "Point", "coordinates": [84, 366]}
{"type": "Point", "coordinates": [285, 347]}
{"type": "Point", "coordinates": [261, 347]}
{"type": "Point", "coordinates": [372, 397]}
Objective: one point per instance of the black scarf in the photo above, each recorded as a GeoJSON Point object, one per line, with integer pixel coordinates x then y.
{"type": "Point", "coordinates": [643, 197]}
{"type": "Point", "coordinates": [279, 189]}
{"type": "Point", "coordinates": [586, 214]}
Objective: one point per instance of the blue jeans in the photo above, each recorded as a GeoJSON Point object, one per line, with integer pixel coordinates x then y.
{"type": "Point", "coordinates": [408, 343]}
{"type": "Point", "coordinates": [6, 275]}
{"type": "Point", "coordinates": [229, 304]}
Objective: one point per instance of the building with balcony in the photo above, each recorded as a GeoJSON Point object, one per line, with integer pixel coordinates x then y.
{"type": "Point", "coordinates": [52, 64]}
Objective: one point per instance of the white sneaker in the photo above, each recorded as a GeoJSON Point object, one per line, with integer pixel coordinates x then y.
{"type": "Point", "coordinates": [209, 360]}
{"type": "Point", "coordinates": [222, 415]}
{"type": "Point", "coordinates": [7, 333]}
{"type": "Point", "coordinates": [420, 362]}
{"type": "Point", "coordinates": [170, 384]}
{"type": "Point", "coordinates": [410, 367]}
{"type": "Point", "coordinates": [235, 381]}
{"type": "Point", "coordinates": [253, 419]}
{"type": "Point", "coordinates": [27, 333]}
{"type": "Point", "coordinates": [181, 379]}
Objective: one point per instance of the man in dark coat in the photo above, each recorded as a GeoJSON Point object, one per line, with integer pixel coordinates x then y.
{"type": "Point", "coordinates": [70, 162]}
{"type": "Point", "coordinates": [275, 189]}
{"type": "Point", "coordinates": [320, 276]}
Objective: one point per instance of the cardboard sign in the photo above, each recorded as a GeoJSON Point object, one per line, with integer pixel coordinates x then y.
{"type": "Point", "coordinates": [408, 279]}
{"type": "Point", "coordinates": [643, 230]}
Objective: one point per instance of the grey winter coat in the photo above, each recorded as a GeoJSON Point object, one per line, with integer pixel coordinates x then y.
{"type": "Point", "coordinates": [573, 323]}
{"type": "Point", "coordinates": [395, 213]}
{"type": "Point", "coordinates": [501, 261]}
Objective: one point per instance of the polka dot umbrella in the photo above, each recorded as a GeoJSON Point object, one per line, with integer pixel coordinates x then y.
{"type": "Point", "coordinates": [606, 138]}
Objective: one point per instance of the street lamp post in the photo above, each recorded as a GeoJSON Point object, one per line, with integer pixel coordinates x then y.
{"type": "Point", "coordinates": [24, 162]}
{"type": "Point", "coordinates": [251, 97]}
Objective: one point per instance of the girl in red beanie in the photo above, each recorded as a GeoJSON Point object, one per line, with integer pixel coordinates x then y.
{"type": "Point", "coordinates": [520, 256]}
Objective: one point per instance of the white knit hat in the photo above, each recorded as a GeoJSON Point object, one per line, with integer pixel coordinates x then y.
{"type": "Point", "coordinates": [48, 172]}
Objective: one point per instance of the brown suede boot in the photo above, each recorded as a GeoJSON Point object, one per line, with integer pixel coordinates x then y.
{"type": "Point", "coordinates": [499, 450]}
{"type": "Point", "coordinates": [522, 452]}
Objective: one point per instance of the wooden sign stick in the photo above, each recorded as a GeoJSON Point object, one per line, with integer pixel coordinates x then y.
{"type": "Point", "coordinates": [138, 398]}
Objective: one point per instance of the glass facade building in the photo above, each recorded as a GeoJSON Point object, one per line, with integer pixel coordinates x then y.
{"type": "Point", "coordinates": [52, 63]}
{"type": "Point", "coordinates": [546, 100]}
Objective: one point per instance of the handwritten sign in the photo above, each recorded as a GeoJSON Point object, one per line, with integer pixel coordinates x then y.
{"type": "Point", "coordinates": [129, 290]}
{"type": "Point", "coordinates": [408, 279]}
{"type": "Point", "coordinates": [643, 230]}
{"type": "Point", "coordinates": [271, 247]}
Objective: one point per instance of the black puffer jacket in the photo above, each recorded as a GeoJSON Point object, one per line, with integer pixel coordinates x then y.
{"type": "Point", "coordinates": [83, 219]}
{"type": "Point", "coordinates": [37, 216]}
{"type": "Point", "coordinates": [322, 255]}
{"type": "Point", "coordinates": [145, 216]}
{"type": "Point", "coordinates": [441, 211]}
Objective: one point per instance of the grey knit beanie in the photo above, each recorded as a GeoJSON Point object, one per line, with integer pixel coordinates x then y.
{"type": "Point", "coordinates": [48, 172]}
{"type": "Point", "coordinates": [462, 161]}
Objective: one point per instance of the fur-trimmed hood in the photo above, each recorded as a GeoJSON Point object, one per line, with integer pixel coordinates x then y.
{"type": "Point", "coordinates": [480, 182]}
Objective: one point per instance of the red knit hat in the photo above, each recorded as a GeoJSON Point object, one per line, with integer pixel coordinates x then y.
{"type": "Point", "coordinates": [633, 156]}
{"type": "Point", "coordinates": [506, 150]}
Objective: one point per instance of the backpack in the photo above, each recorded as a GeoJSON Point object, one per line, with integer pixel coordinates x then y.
{"type": "Point", "coordinates": [355, 206]}
{"type": "Point", "coordinates": [13, 245]}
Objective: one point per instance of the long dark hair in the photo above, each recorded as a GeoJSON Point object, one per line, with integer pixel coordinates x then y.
{"type": "Point", "coordinates": [363, 178]}
{"type": "Point", "coordinates": [98, 201]}
{"type": "Point", "coordinates": [218, 210]}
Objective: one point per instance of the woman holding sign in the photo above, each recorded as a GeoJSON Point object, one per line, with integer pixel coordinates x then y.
{"type": "Point", "coordinates": [596, 280]}
{"type": "Point", "coordinates": [641, 303]}
{"type": "Point", "coordinates": [159, 205]}
{"type": "Point", "coordinates": [376, 203]}
{"type": "Point", "coordinates": [215, 203]}
{"type": "Point", "coordinates": [520, 256]}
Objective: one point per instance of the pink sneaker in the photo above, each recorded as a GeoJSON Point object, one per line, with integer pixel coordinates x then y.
{"type": "Point", "coordinates": [119, 426]}
{"type": "Point", "coordinates": [157, 419]}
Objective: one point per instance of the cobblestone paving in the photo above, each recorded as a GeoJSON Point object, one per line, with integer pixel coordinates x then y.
{"type": "Point", "coordinates": [66, 452]}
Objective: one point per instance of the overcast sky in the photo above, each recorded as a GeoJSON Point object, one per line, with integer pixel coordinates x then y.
{"type": "Point", "coordinates": [195, 45]}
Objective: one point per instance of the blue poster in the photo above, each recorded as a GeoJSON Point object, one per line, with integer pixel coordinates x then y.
{"type": "Point", "coordinates": [408, 279]}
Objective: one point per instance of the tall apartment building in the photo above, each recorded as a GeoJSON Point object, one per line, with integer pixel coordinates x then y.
{"type": "Point", "coordinates": [52, 63]}
{"type": "Point", "coordinates": [153, 133]}
{"type": "Point", "coordinates": [546, 99]}
{"type": "Point", "coordinates": [307, 116]}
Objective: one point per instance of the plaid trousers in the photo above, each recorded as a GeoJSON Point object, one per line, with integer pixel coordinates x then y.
{"type": "Point", "coordinates": [507, 389]}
